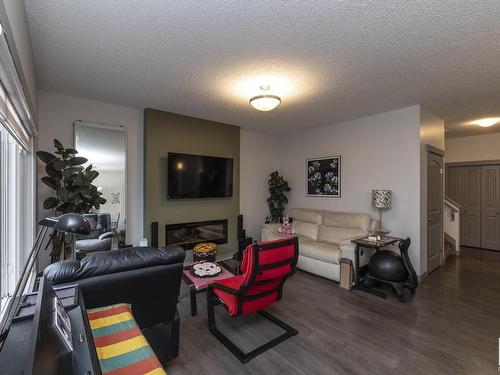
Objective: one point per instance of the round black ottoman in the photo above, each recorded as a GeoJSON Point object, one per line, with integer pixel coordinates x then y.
{"type": "Point", "coordinates": [387, 265]}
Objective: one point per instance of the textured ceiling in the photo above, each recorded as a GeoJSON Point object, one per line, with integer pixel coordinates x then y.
{"type": "Point", "coordinates": [329, 60]}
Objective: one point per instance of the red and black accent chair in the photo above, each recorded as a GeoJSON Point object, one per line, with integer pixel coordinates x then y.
{"type": "Point", "coordinates": [264, 270]}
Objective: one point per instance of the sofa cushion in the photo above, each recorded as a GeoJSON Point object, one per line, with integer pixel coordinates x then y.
{"type": "Point", "coordinates": [347, 220]}
{"type": "Point", "coordinates": [303, 228]}
{"type": "Point", "coordinates": [303, 214]}
{"type": "Point", "coordinates": [278, 236]}
{"type": "Point", "coordinates": [335, 235]}
{"type": "Point", "coordinates": [324, 252]}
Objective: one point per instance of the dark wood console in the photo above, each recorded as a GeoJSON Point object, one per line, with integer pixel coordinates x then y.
{"type": "Point", "coordinates": [17, 351]}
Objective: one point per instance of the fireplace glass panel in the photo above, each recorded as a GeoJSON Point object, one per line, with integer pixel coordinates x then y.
{"type": "Point", "coordinates": [189, 234]}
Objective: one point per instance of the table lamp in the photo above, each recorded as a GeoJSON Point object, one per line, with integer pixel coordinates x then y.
{"type": "Point", "coordinates": [381, 199]}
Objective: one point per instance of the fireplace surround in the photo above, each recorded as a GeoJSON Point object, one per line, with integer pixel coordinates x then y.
{"type": "Point", "coordinates": [187, 235]}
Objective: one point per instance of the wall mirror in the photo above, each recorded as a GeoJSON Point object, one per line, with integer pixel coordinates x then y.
{"type": "Point", "coordinates": [104, 147]}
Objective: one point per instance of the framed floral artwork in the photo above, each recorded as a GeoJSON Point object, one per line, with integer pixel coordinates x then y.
{"type": "Point", "coordinates": [323, 178]}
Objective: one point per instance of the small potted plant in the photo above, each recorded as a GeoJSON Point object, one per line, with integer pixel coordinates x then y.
{"type": "Point", "coordinates": [277, 201]}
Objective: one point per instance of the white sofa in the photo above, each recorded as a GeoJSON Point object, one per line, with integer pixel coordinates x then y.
{"type": "Point", "coordinates": [324, 238]}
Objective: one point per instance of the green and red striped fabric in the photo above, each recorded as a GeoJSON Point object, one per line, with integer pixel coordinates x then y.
{"type": "Point", "coordinates": [121, 347]}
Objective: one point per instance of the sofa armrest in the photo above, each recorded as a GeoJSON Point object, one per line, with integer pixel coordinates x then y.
{"type": "Point", "coordinates": [348, 249]}
{"type": "Point", "coordinates": [272, 227]}
{"type": "Point", "coordinates": [106, 235]}
{"type": "Point", "coordinates": [62, 271]}
{"type": "Point", "coordinates": [267, 229]}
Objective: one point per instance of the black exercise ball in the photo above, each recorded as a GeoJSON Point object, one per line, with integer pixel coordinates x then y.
{"type": "Point", "coordinates": [387, 265]}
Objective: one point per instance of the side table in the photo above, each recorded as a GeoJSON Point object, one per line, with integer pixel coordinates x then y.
{"type": "Point", "coordinates": [198, 285]}
{"type": "Point", "coordinates": [360, 271]}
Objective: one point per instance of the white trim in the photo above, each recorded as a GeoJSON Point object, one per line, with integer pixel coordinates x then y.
{"type": "Point", "coordinates": [95, 125]}
{"type": "Point", "coordinates": [123, 200]}
{"type": "Point", "coordinates": [448, 202]}
{"type": "Point", "coordinates": [15, 73]}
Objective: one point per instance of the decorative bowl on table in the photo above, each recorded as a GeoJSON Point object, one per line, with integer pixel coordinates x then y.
{"type": "Point", "coordinates": [204, 252]}
{"type": "Point", "coordinates": [376, 236]}
{"type": "Point", "coordinates": [205, 270]}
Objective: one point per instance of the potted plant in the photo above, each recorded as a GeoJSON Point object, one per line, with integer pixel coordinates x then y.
{"type": "Point", "coordinates": [73, 191]}
{"type": "Point", "coordinates": [278, 189]}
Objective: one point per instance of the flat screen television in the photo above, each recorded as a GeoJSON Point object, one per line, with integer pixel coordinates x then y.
{"type": "Point", "coordinates": [196, 176]}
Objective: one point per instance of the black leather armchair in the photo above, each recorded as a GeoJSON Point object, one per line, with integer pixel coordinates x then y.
{"type": "Point", "coordinates": [145, 277]}
{"type": "Point", "coordinates": [100, 237]}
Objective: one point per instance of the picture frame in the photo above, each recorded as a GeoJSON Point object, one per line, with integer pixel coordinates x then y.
{"type": "Point", "coordinates": [62, 323]}
{"type": "Point", "coordinates": [324, 177]}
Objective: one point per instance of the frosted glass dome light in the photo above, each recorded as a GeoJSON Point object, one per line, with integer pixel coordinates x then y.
{"type": "Point", "coordinates": [265, 102]}
{"type": "Point", "coordinates": [487, 122]}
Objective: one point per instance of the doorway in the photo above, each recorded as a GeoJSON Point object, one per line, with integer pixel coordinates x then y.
{"type": "Point", "coordinates": [434, 209]}
{"type": "Point", "coordinates": [476, 187]}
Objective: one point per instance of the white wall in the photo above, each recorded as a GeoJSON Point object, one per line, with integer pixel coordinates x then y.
{"type": "Point", "coordinates": [379, 151]}
{"type": "Point", "coordinates": [473, 148]}
{"type": "Point", "coordinates": [259, 156]}
{"type": "Point", "coordinates": [56, 115]}
{"type": "Point", "coordinates": [431, 133]}
{"type": "Point", "coordinates": [112, 182]}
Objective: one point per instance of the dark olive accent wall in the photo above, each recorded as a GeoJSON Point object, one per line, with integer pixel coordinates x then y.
{"type": "Point", "coordinates": [167, 132]}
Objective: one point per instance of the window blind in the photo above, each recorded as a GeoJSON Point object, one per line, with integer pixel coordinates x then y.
{"type": "Point", "coordinates": [11, 121]}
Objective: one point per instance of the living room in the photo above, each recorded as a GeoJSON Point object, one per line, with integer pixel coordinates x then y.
{"type": "Point", "coordinates": [164, 148]}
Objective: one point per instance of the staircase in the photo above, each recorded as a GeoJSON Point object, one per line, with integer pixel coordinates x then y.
{"type": "Point", "coordinates": [451, 227]}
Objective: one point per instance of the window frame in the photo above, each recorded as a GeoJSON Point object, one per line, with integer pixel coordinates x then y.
{"type": "Point", "coordinates": [17, 211]}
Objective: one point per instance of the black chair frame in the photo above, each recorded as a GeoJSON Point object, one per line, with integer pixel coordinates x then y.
{"type": "Point", "coordinates": [213, 300]}
{"type": "Point", "coordinates": [398, 286]}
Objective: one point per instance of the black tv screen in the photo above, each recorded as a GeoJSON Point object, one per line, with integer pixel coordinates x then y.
{"type": "Point", "coordinates": [196, 176]}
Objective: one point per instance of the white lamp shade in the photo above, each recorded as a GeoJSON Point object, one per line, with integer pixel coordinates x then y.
{"type": "Point", "coordinates": [381, 198]}
{"type": "Point", "coordinates": [265, 102]}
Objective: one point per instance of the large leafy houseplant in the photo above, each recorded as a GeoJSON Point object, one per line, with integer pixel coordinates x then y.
{"type": "Point", "coordinates": [73, 191]}
{"type": "Point", "coordinates": [278, 188]}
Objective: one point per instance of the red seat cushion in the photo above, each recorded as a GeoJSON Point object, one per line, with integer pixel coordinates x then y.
{"type": "Point", "coordinates": [263, 281]}
{"type": "Point", "coordinates": [229, 299]}
{"type": "Point", "coordinates": [248, 307]}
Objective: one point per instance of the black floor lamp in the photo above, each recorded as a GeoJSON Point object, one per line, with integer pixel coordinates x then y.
{"type": "Point", "coordinates": [67, 223]}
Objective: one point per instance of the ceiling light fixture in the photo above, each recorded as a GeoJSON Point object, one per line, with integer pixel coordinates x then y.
{"type": "Point", "coordinates": [265, 102]}
{"type": "Point", "coordinates": [486, 122]}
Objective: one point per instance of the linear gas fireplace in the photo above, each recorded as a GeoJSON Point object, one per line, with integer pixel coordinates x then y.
{"type": "Point", "coordinates": [187, 235]}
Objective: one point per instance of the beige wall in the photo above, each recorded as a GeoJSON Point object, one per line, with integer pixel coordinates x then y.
{"type": "Point", "coordinates": [260, 154]}
{"type": "Point", "coordinates": [431, 133]}
{"type": "Point", "coordinates": [166, 132]}
{"type": "Point", "coordinates": [473, 148]}
{"type": "Point", "coordinates": [379, 151]}
{"type": "Point", "coordinates": [56, 115]}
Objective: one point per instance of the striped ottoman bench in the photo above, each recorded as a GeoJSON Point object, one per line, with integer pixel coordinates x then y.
{"type": "Point", "coordinates": [121, 347]}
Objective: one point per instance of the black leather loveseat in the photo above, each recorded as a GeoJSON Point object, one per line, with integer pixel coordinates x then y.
{"type": "Point", "coordinates": [145, 277]}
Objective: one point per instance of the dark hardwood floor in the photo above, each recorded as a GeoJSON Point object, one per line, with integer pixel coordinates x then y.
{"type": "Point", "coordinates": [452, 326]}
